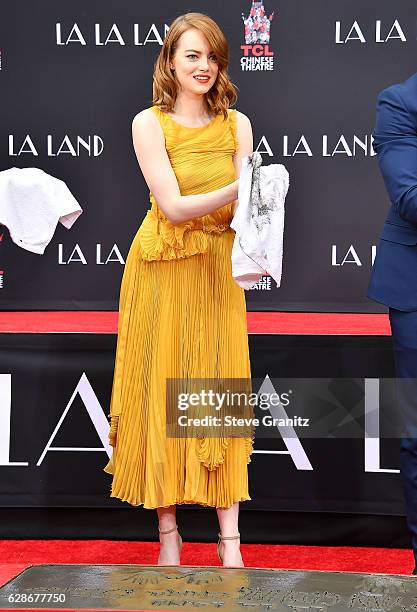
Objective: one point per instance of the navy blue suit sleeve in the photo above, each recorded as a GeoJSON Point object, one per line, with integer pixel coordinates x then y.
{"type": "Point", "coordinates": [395, 142]}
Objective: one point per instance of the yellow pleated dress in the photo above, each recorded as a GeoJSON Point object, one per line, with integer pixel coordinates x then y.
{"type": "Point", "coordinates": [181, 315]}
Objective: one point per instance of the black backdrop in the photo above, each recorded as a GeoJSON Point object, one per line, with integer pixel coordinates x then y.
{"type": "Point", "coordinates": [79, 70]}
{"type": "Point", "coordinates": [55, 389]}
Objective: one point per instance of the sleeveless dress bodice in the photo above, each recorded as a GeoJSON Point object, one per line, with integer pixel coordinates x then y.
{"type": "Point", "coordinates": [202, 159]}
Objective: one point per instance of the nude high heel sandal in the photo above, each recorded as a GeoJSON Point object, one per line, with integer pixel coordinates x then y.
{"type": "Point", "coordinates": [170, 531]}
{"type": "Point", "coordinates": [220, 541]}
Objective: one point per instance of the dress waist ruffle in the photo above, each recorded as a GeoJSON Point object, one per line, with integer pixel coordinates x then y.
{"type": "Point", "coordinates": [161, 240]}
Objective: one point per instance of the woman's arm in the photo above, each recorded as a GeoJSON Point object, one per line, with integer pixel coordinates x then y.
{"type": "Point", "coordinates": [149, 144]}
{"type": "Point", "coordinates": [244, 146]}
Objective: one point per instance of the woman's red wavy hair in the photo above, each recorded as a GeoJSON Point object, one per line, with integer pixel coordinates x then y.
{"type": "Point", "coordinates": [222, 94]}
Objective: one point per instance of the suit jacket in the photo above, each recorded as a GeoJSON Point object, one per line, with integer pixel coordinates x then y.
{"type": "Point", "coordinates": [394, 275]}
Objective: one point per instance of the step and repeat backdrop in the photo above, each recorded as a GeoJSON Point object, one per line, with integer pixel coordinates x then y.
{"type": "Point", "coordinates": [74, 74]}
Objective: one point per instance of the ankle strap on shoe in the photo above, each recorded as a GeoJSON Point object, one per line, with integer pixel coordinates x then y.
{"type": "Point", "coordinates": [168, 530]}
{"type": "Point", "coordinates": [228, 537]}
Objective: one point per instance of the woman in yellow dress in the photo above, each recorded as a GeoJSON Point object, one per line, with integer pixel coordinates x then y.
{"type": "Point", "coordinates": [181, 314]}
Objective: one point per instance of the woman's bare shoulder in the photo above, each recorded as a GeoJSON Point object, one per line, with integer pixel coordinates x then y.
{"type": "Point", "coordinates": [145, 117]}
{"type": "Point", "coordinates": [147, 127]}
{"type": "Point", "coordinates": [244, 127]}
{"type": "Point", "coordinates": [242, 118]}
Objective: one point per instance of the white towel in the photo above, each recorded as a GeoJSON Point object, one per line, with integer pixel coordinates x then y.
{"type": "Point", "coordinates": [259, 222]}
{"type": "Point", "coordinates": [31, 204]}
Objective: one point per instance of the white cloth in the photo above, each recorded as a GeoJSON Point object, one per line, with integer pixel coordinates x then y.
{"type": "Point", "coordinates": [31, 204]}
{"type": "Point", "coordinates": [259, 221]}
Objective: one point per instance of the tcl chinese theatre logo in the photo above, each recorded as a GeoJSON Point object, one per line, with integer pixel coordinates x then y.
{"type": "Point", "coordinates": [256, 52]}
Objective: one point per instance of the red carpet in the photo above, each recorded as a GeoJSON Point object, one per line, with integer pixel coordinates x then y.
{"type": "Point", "coordinates": [15, 555]}
{"type": "Point", "coordinates": [100, 322]}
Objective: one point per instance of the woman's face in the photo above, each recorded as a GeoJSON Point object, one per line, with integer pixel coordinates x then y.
{"type": "Point", "coordinates": [194, 57]}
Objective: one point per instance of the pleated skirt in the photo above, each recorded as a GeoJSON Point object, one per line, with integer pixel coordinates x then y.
{"type": "Point", "coordinates": [178, 318]}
